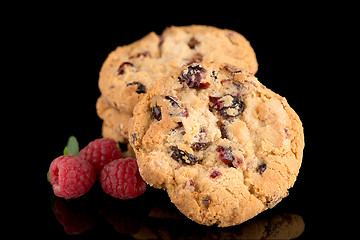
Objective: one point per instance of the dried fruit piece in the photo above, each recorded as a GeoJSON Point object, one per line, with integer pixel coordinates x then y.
{"type": "Point", "coordinates": [215, 174]}
{"type": "Point", "coordinates": [228, 105]}
{"type": "Point", "coordinates": [189, 184]}
{"type": "Point", "coordinates": [183, 113]}
{"type": "Point", "coordinates": [218, 103]}
{"type": "Point", "coordinates": [180, 128]}
{"type": "Point", "coordinates": [140, 87]}
{"type": "Point", "coordinates": [225, 81]}
{"type": "Point", "coordinates": [192, 77]}
{"type": "Point", "coordinates": [193, 42]}
{"type": "Point", "coordinates": [225, 155]}
{"type": "Point", "coordinates": [181, 155]}
{"type": "Point", "coordinates": [198, 146]}
{"type": "Point", "coordinates": [121, 69]}
{"type": "Point", "coordinates": [238, 161]}
{"type": "Point", "coordinates": [172, 101]}
{"type": "Point", "coordinates": [223, 131]}
{"type": "Point", "coordinates": [156, 111]}
{"type": "Point", "coordinates": [261, 168]}
{"type": "Point", "coordinates": [233, 69]}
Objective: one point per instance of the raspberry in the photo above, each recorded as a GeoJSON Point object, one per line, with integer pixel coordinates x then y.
{"type": "Point", "coordinates": [121, 179]}
{"type": "Point", "coordinates": [100, 152]}
{"type": "Point", "coordinates": [71, 176]}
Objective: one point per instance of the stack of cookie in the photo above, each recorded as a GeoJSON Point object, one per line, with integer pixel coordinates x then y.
{"type": "Point", "coordinates": [201, 124]}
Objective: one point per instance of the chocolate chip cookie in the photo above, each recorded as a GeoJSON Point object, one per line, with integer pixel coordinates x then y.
{"type": "Point", "coordinates": [223, 145]}
{"type": "Point", "coordinates": [132, 70]}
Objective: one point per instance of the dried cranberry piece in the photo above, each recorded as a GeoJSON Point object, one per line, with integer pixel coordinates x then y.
{"type": "Point", "coordinates": [228, 105]}
{"type": "Point", "coordinates": [218, 103]}
{"type": "Point", "coordinates": [121, 69]}
{"type": "Point", "coordinates": [223, 131]}
{"type": "Point", "coordinates": [198, 146]}
{"type": "Point", "coordinates": [233, 69]}
{"type": "Point", "coordinates": [189, 184]}
{"type": "Point", "coordinates": [140, 87]}
{"type": "Point", "coordinates": [193, 42]}
{"type": "Point", "coordinates": [238, 161]}
{"type": "Point", "coordinates": [144, 54]}
{"type": "Point", "coordinates": [215, 174]}
{"type": "Point", "coordinates": [261, 168]}
{"type": "Point", "coordinates": [225, 155]}
{"type": "Point", "coordinates": [225, 81]}
{"type": "Point", "coordinates": [192, 77]}
{"type": "Point", "coordinates": [156, 111]}
{"type": "Point", "coordinates": [181, 155]}
{"type": "Point", "coordinates": [184, 112]}
{"type": "Point", "coordinates": [172, 101]}
{"type": "Point", "coordinates": [180, 128]}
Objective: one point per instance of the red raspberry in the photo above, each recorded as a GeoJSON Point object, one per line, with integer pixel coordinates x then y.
{"type": "Point", "coordinates": [100, 152]}
{"type": "Point", "coordinates": [71, 176]}
{"type": "Point", "coordinates": [121, 179]}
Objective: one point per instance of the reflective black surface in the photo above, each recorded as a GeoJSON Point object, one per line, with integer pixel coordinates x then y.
{"type": "Point", "coordinates": [62, 55]}
{"type": "Point", "coordinates": [152, 216]}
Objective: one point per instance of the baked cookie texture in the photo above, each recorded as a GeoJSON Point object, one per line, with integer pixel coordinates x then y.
{"type": "Point", "coordinates": [108, 132]}
{"type": "Point", "coordinates": [132, 70]}
{"type": "Point", "coordinates": [117, 120]}
{"type": "Point", "coordinates": [223, 145]}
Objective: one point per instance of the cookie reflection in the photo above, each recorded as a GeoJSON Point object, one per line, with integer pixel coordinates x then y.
{"type": "Point", "coordinates": [280, 226]}
{"type": "Point", "coordinates": [169, 223]}
{"type": "Point", "coordinates": [153, 216]}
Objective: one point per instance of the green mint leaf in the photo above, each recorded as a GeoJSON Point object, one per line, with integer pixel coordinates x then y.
{"type": "Point", "coordinates": [72, 147]}
{"type": "Point", "coordinates": [66, 151]}
{"type": "Point", "coordinates": [47, 176]}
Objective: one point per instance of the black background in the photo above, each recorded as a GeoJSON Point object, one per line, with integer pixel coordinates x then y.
{"type": "Point", "coordinates": [59, 56]}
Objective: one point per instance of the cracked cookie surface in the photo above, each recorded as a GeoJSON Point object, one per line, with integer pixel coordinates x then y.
{"type": "Point", "coordinates": [223, 145]}
{"type": "Point", "coordinates": [131, 70]}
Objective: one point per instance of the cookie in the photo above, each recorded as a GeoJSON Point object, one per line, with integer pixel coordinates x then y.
{"type": "Point", "coordinates": [115, 119]}
{"type": "Point", "coordinates": [223, 145]}
{"type": "Point", "coordinates": [126, 148]}
{"type": "Point", "coordinates": [108, 132]}
{"type": "Point", "coordinates": [132, 70]}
